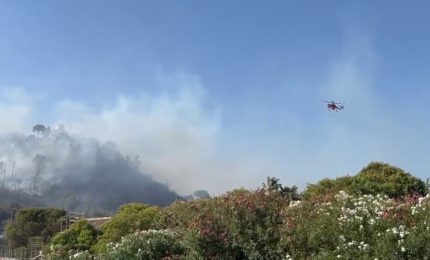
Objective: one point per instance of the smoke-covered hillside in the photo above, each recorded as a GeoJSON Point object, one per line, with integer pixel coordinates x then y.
{"type": "Point", "coordinates": [75, 173]}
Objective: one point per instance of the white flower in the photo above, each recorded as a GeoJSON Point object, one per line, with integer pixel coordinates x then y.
{"type": "Point", "coordinates": [351, 243]}
{"type": "Point", "coordinates": [403, 249]}
{"type": "Point", "coordinates": [295, 203]}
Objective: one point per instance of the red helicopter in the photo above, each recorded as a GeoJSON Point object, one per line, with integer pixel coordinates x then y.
{"type": "Point", "coordinates": [333, 106]}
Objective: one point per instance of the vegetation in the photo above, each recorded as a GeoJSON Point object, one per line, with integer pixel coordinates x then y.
{"type": "Point", "coordinates": [382, 178]}
{"type": "Point", "coordinates": [238, 225]}
{"type": "Point", "coordinates": [201, 194]}
{"type": "Point", "coordinates": [148, 244]}
{"type": "Point", "coordinates": [380, 213]}
{"type": "Point", "coordinates": [33, 222]}
{"type": "Point", "coordinates": [81, 236]}
{"type": "Point", "coordinates": [376, 178]}
{"type": "Point", "coordinates": [128, 219]}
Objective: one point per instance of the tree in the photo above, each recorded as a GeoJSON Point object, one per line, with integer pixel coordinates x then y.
{"type": "Point", "coordinates": [201, 194]}
{"type": "Point", "coordinates": [39, 128]}
{"type": "Point", "coordinates": [31, 222]}
{"type": "Point", "coordinates": [272, 185]}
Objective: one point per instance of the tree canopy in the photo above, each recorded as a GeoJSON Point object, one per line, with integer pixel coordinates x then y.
{"type": "Point", "coordinates": [375, 178]}
{"type": "Point", "coordinates": [39, 128]}
{"type": "Point", "coordinates": [31, 222]}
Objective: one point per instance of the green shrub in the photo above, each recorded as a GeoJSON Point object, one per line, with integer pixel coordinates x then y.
{"type": "Point", "coordinates": [325, 189]}
{"type": "Point", "coordinates": [376, 178]}
{"type": "Point", "coordinates": [80, 237]}
{"type": "Point", "coordinates": [128, 219]}
{"type": "Point", "coordinates": [382, 178]}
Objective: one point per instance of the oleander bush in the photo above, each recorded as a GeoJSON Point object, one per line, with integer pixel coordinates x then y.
{"type": "Point", "coordinates": [147, 244]}
{"type": "Point", "coordinates": [241, 224]}
{"type": "Point", "coordinates": [380, 213]}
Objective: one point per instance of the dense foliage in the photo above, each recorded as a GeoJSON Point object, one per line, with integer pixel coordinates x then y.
{"type": "Point", "coordinates": [128, 219]}
{"type": "Point", "coordinates": [382, 178]}
{"type": "Point", "coordinates": [380, 213]}
{"type": "Point", "coordinates": [81, 236]}
{"type": "Point", "coordinates": [32, 222]}
{"type": "Point", "coordinates": [376, 178]}
{"type": "Point", "coordinates": [240, 224]}
{"type": "Point", "coordinates": [358, 227]}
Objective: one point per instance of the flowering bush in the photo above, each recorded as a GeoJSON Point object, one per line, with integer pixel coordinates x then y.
{"type": "Point", "coordinates": [76, 255]}
{"type": "Point", "coordinates": [149, 244]}
{"type": "Point", "coordinates": [365, 227]}
{"type": "Point", "coordinates": [271, 223]}
{"type": "Point", "coordinates": [264, 224]}
{"type": "Point", "coordinates": [240, 224]}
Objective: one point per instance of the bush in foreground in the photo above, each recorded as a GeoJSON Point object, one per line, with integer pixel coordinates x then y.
{"type": "Point", "coordinates": [148, 244]}
{"type": "Point", "coordinates": [242, 224]}
{"type": "Point", "coordinates": [80, 237]}
{"type": "Point", "coordinates": [128, 219]}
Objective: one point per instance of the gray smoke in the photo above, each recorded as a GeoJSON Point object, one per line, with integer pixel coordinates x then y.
{"type": "Point", "coordinates": [76, 173]}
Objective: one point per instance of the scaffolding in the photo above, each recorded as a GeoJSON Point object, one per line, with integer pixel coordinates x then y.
{"type": "Point", "coordinates": [69, 219]}
{"type": "Point", "coordinates": [35, 244]}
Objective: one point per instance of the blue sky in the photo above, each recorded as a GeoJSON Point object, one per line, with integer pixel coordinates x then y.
{"type": "Point", "coordinates": [225, 92]}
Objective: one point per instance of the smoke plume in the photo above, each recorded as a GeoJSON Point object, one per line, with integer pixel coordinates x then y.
{"type": "Point", "coordinates": [76, 173]}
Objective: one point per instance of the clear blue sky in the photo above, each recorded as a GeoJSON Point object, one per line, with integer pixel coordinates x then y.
{"type": "Point", "coordinates": [263, 68]}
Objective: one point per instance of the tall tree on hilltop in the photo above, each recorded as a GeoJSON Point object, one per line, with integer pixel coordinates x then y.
{"type": "Point", "coordinates": [39, 128]}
